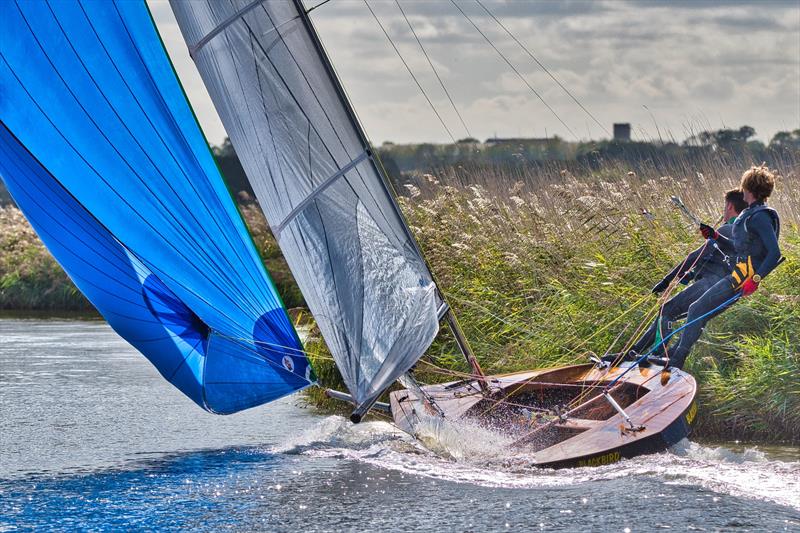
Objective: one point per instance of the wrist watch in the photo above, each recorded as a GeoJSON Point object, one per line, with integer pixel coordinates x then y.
{"type": "Point", "coordinates": [756, 278]}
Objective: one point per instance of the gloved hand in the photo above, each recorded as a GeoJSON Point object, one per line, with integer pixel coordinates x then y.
{"type": "Point", "coordinates": [708, 232]}
{"type": "Point", "coordinates": [660, 287]}
{"type": "Point", "coordinates": [749, 287]}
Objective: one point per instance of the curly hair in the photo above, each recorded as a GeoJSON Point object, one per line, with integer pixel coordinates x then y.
{"type": "Point", "coordinates": [759, 181]}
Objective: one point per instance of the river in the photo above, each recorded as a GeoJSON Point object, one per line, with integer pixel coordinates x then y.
{"type": "Point", "coordinates": [92, 438]}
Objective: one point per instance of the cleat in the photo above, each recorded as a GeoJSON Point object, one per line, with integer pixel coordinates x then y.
{"type": "Point", "coordinates": [657, 360]}
{"type": "Point", "coordinates": [598, 362]}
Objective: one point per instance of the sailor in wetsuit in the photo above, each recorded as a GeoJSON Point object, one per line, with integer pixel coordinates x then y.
{"type": "Point", "coordinates": [703, 267]}
{"type": "Point", "coordinates": [755, 240]}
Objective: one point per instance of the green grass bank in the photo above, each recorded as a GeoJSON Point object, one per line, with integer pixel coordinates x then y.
{"type": "Point", "coordinates": [543, 268]}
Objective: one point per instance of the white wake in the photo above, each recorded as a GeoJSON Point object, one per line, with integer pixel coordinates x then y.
{"type": "Point", "coordinates": [467, 453]}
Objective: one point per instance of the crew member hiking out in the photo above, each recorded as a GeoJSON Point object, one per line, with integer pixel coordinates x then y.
{"type": "Point", "coordinates": [701, 269]}
{"type": "Point", "coordinates": [754, 238]}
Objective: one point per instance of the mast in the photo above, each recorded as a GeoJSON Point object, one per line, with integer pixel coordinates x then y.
{"type": "Point", "coordinates": [445, 309]}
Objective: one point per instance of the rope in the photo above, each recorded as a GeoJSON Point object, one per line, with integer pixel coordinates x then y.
{"type": "Point", "coordinates": [721, 306]}
{"type": "Point", "coordinates": [531, 333]}
{"type": "Point", "coordinates": [552, 76]}
{"type": "Point", "coordinates": [661, 303]}
{"type": "Point", "coordinates": [433, 68]}
{"type": "Point", "coordinates": [663, 299]}
{"type": "Point", "coordinates": [433, 107]}
{"type": "Point", "coordinates": [465, 375]}
{"type": "Point", "coordinates": [638, 331]}
{"type": "Point", "coordinates": [575, 348]}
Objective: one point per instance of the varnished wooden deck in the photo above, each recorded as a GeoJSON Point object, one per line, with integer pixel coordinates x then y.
{"type": "Point", "coordinates": [665, 410]}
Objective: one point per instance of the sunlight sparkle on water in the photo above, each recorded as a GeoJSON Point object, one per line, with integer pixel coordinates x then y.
{"type": "Point", "coordinates": [262, 469]}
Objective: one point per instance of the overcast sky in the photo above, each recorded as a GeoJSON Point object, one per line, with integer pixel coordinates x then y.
{"type": "Point", "coordinates": [680, 65]}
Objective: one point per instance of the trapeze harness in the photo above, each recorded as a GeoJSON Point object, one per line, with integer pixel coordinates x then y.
{"type": "Point", "coordinates": [752, 255]}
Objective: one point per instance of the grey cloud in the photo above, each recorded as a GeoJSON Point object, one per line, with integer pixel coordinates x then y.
{"type": "Point", "coordinates": [750, 23]}
{"type": "Point", "coordinates": [682, 59]}
{"type": "Point", "coordinates": [711, 4]}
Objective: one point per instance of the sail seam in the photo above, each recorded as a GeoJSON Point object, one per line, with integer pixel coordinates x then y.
{"type": "Point", "coordinates": [316, 192]}
{"type": "Point", "coordinates": [222, 25]}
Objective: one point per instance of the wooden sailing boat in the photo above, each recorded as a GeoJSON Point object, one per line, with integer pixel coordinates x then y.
{"type": "Point", "coordinates": [100, 150]}
{"type": "Point", "coordinates": [644, 414]}
{"type": "Point", "coordinates": [331, 208]}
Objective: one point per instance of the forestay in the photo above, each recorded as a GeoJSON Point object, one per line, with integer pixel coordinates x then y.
{"type": "Point", "coordinates": [313, 173]}
{"type": "Point", "coordinates": [100, 150]}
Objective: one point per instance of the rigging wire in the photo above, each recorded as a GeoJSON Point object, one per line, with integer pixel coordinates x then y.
{"type": "Point", "coordinates": [408, 68]}
{"type": "Point", "coordinates": [720, 307]}
{"type": "Point", "coordinates": [662, 300]}
{"type": "Point", "coordinates": [543, 67]}
{"type": "Point", "coordinates": [516, 71]}
{"type": "Point", "coordinates": [433, 68]}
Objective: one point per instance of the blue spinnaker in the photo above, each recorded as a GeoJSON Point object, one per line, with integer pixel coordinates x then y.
{"type": "Point", "coordinates": [101, 151]}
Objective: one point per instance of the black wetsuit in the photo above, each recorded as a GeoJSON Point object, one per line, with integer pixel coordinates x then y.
{"type": "Point", "coordinates": [755, 235]}
{"type": "Point", "coordinates": [704, 272]}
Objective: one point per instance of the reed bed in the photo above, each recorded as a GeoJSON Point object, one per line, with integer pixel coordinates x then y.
{"type": "Point", "coordinates": [29, 277]}
{"type": "Point", "coordinates": [545, 265]}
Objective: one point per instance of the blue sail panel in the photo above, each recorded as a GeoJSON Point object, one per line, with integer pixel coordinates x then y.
{"type": "Point", "coordinates": [93, 114]}
{"type": "Point", "coordinates": [85, 95]}
{"type": "Point", "coordinates": [243, 377]}
{"type": "Point", "coordinates": [223, 377]}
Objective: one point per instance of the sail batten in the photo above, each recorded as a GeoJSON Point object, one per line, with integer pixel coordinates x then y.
{"type": "Point", "coordinates": [222, 25]}
{"type": "Point", "coordinates": [316, 192]}
{"type": "Point", "coordinates": [326, 201]}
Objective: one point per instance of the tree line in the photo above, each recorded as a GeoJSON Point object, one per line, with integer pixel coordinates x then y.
{"type": "Point", "coordinates": [737, 145]}
{"type": "Point", "coordinates": [734, 145]}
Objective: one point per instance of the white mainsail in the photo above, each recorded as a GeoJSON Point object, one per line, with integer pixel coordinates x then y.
{"type": "Point", "coordinates": [312, 170]}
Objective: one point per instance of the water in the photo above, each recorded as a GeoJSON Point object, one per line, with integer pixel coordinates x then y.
{"type": "Point", "coordinates": [92, 438]}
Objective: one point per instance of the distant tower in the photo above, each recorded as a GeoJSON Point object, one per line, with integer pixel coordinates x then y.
{"type": "Point", "coordinates": [622, 131]}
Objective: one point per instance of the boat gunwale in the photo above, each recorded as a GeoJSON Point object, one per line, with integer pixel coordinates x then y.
{"type": "Point", "coordinates": [663, 427]}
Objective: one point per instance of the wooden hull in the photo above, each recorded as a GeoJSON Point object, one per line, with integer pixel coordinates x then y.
{"type": "Point", "coordinates": [538, 409]}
